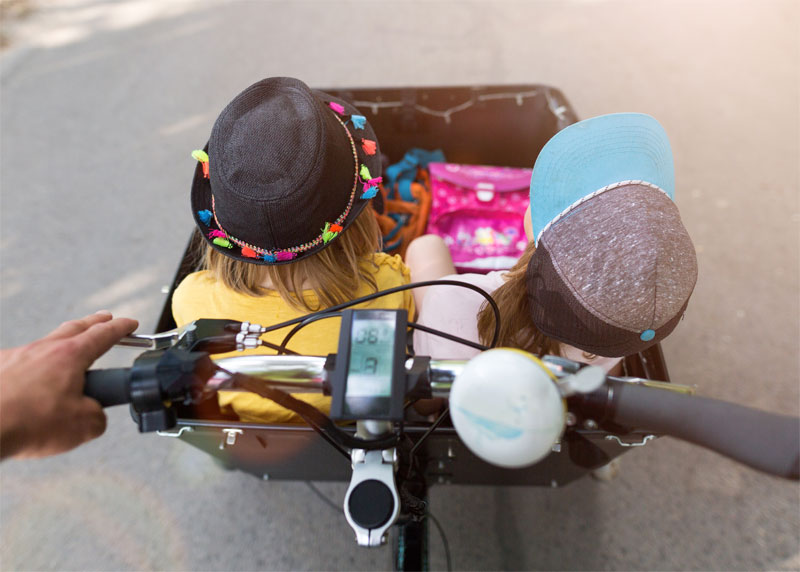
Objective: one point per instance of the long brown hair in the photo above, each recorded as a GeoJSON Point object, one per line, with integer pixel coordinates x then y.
{"type": "Point", "coordinates": [335, 273]}
{"type": "Point", "coordinates": [516, 328]}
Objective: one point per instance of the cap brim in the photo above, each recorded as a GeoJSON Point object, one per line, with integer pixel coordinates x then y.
{"type": "Point", "coordinates": [594, 153]}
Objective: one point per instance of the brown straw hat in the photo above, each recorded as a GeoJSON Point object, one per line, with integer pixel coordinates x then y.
{"type": "Point", "coordinates": [286, 169]}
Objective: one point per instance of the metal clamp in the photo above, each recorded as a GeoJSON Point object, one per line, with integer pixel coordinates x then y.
{"type": "Point", "coordinates": [372, 468]}
{"type": "Point", "coordinates": [180, 432]}
{"type": "Point", "coordinates": [622, 443]}
{"type": "Point", "coordinates": [249, 336]}
{"type": "Point", "coordinates": [230, 437]}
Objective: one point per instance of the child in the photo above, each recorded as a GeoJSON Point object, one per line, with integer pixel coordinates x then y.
{"type": "Point", "coordinates": [609, 269]}
{"type": "Point", "coordinates": [281, 198]}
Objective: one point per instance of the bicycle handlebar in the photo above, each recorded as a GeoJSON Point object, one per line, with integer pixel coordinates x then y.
{"type": "Point", "coordinates": [761, 440]}
{"type": "Point", "coordinates": [109, 386]}
{"type": "Point", "coordinates": [764, 441]}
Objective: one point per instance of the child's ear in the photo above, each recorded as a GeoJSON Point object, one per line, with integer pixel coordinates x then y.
{"type": "Point", "coordinates": [528, 224]}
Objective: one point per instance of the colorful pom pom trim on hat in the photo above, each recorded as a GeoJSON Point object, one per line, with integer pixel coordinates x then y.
{"type": "Point", "coordinates": [223, 242]}
{"type": "Point", "coordinates": [284, 255]}
{"type": "Point", "coordinates": [369, 185]}
{"type": "Point", "coordinates": [222, 239]}
{"type": "Point", "coordinates": [330, 232]}
{"type": "Point", "coordinates": [278, 256]}
{"type": "Point", "coordinates": [370, 147]}
{"type": "Point", "coordinates": [202, 157]}
{"type": "Point", "coordinates": [205, 216]}
{"type": "Point", "coordinates": [369, 192]}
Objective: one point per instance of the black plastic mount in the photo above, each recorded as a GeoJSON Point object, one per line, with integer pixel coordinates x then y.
{"type": "Point", "coordinates": [162, 376]}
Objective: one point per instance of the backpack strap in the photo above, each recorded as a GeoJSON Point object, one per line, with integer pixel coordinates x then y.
{"type": "Point", "coordinates": [404, 172]}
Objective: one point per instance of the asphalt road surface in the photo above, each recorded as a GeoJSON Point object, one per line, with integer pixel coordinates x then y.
{"type": "Point", "coordinates": [101, 104]}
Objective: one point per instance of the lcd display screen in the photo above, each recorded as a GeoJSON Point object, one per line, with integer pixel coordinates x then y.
{"type": "Point", "coordinates": [372, 352]}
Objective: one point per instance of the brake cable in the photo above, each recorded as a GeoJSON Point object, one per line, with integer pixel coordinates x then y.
{"type": "Point", "coordinates": [401, 288]}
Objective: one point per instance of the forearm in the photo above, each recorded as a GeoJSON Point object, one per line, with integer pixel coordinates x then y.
{"type": "Point", "coordinates": [12, 428]}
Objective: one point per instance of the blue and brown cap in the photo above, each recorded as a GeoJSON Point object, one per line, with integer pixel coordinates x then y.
{"type": "Point", "coordinates": [614, 266]}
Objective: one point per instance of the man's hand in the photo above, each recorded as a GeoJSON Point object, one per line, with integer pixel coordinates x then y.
{"type": "Point", "coordinates": [42, 407]}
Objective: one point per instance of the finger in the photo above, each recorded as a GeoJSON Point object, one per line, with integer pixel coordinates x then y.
{"type": "Point", "coordinates": [85, 421]}
{"type": "Point", "coordinates": [75, 327]}
{"type": "Point", "coordinates": [99, 338]}
{"type": "Point", "coordinates": [94, 419]}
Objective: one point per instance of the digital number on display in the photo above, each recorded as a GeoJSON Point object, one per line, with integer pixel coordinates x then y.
{"type": "Point", "coordinates": [371, 357]}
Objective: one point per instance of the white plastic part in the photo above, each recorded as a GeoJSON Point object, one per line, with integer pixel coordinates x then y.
{"type": "Point", "coordinates": [506, 408]}
{"type": "Point", "coordinates": [484, 192]}
{"type": "Point", "coordinates": [585, 380]}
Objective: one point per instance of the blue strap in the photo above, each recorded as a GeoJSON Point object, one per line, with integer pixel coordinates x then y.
{"type": "Point", "coordinates": [405, 171]}
{"type": "Point", "coordinates": [392, 233]}
{"type": "Point", "coordinates": [404, 190]}
{"type": "Point", "coordinates": [400, 220]}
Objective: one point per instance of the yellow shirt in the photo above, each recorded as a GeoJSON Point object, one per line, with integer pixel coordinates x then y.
{"type": "Point", "coordinates": [199, 295]}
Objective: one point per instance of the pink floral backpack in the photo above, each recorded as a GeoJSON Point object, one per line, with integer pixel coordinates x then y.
{"type": "Point", "coordinates": [478, 211]}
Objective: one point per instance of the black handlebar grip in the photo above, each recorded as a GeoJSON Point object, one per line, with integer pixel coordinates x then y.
{"type": "Point", "coordinates": [764, 441]}
{"type": "Point", "coordinates": [108, 386]}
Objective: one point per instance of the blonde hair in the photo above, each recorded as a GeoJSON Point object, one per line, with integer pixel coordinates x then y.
{"type": "Point", "coordinates": [516, 328]}
{"type": "Point", "coordinates": [335, 273]}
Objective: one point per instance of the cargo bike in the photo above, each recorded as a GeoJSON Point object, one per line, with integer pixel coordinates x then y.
{"type": "Point", "coordinates": [390, 455]}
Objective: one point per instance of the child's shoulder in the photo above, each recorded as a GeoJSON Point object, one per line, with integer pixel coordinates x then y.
{"type": "Point", "coordinates": [190, 300]}
{"type": "Point", "coordinates": [389, 266]}
{"type": "Point", "coordinates": [199, 279]}
{"type": "Point", "coordinates": [203, 285]}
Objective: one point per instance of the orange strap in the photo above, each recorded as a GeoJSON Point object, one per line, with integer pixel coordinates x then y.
{"type": "Point", "coordinates": [418, 214]}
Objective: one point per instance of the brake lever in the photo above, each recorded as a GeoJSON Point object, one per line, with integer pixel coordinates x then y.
{"type": "Point", "coordinates": [159, 341]}
{"type": "Point", "coordinates": [241, 336]}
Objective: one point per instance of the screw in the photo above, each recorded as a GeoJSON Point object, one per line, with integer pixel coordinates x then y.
{"type": "Point", "coordinates": [265, 476]}
{"type": "Point", "coordinates": [571, 419]}
{"type": "Point", "coordinates": [590, 424]}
